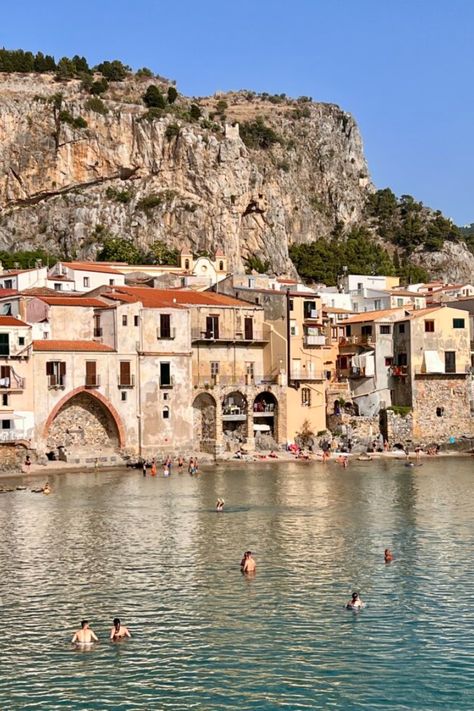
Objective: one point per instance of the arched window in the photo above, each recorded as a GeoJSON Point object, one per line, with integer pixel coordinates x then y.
{"type": "Point", "coordinates": [166, 412]}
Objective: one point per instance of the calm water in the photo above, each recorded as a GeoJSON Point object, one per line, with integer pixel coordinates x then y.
{"type": "Point", "coordinates": [155, 553]}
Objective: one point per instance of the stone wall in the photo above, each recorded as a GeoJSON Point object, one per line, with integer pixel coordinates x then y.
{"type": "Point", "coordinates": [399, 428]}
{"type": "Point", "coordinates": [441, 408]}
{"type": "Point", "coordinates": [12, 456]}
{"type": "Point", "coordinates": [83, 422]}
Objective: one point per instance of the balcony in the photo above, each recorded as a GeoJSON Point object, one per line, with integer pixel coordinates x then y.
{"type": "Point", "coordinates": [356, 341]}
{"type": "Point", "coordinates": [358, 373]}
{"type": "Point", "coordinates": [56, 382]}
{"type": "Point", "coordinates": [199, 336]}
{"type": "Point", "coordinates": [238, 381]}
{"type": "Point", "coordinates": [307, 375]}
{"type": "Point", "coordinates": [168, 334]}
{"type": "Point", "coordinates": [167, 383]}
{"type": "Point", "coordinates": [92, 381]}
{"type": "Point", "coordinates": [315, 340]}
{"type": "Point", "coordinates": [127, 382]}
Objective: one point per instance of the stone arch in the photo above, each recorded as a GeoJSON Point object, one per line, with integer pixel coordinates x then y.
{"type": "Point", "coordinates": [96, 411]}
{"type": "Point", "coordinates": [234, 417]}
{"type": "Point", "coordinates": [205, 422]}
{"type": "Point", "coordinates": [265, 412]}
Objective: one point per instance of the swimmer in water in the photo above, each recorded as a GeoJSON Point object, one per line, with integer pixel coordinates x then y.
{"type": "Point", "coordinates": [85, 636]}
{"type": "Point", "coordinates": [388, 555]}
{"type": "Point", "coordinates": [220, 504]}
{"type": "Point", "coordinates": [247, 563]}
{"type": "Point", "coordinates": [355, 603]}
{"type": "Point", "coordinates": [118, 631]}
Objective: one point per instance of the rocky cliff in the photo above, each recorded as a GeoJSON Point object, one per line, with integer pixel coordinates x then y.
{"type": "Point", "coordinates": [149, 177]}
{"type": "Point", "coordinates": [74, 168]}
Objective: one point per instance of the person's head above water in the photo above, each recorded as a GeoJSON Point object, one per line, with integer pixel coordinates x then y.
{"type": "Point", "coordinates": [355, 596]}
{"type": "Point", "coordinates": [117, 623]}
{"type": "Point", "coordinates": [84, 624]}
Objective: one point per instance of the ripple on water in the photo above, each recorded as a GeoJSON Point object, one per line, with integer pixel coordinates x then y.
{"type": "Point", "coordinates": [154, 552]}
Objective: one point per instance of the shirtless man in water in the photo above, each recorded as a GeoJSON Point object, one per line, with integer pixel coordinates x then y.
{"type": "Point", "coordinates": [85, 635]}
{"type": "Point", "coordinates": [247, 563]}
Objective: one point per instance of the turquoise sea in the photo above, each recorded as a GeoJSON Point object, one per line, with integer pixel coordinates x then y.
{"type": "Point", "coordinates": [155, 553]}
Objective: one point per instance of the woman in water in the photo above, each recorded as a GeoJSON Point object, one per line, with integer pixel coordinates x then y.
{"type": "Point", "coordinates": [118, 631]}
{"type": "Point", "coordinates": [153, 468]}
{"type": "Point", "coordinates": [220, 504]}
{"type": "Point", "coordinates": [355, 603]}
{"type": "Point", "coordinates": [388, 555]}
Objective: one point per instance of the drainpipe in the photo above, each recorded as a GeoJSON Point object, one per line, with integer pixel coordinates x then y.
{"type": "Point", "coordinates": [290, 384]}
{"type": "Point", "coordinates": [139, 384]}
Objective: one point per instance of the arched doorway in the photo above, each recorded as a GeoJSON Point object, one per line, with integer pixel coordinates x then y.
{"type": "Point", "coordinates": [204, 422]}
{"type": "Point", "coordinates": [83, 421]}
{"type": "Point", "coordinates": [234, 417]}
{"type": "Point", "coordinates": [265, 415]}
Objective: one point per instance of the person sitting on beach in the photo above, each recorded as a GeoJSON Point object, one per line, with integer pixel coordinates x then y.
{"type": "Point", "coordinates": [84, 636]}
{"type": "Point", "coordinates": [180, 463]}
{"type": "Point", "coordinates": [27, 462]}
{"type": "Point", "coordinates": [247, 563]}
{"type": "Point", "coordinates": [119, 631]}
{"type": "Point", "coordinates": [220, 504]}
{"type": "Point", "coordinates": [355, 603]}
{"type": "Point", "coordinates": [272, 455]}
{"type": "Point", "coordinates": [46, 488]}
{"type": "Point", "coordinates": [388, 555]}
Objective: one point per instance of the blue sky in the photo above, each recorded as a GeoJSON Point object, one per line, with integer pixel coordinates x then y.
{"type": "Point", "coordinates": [403, 68]}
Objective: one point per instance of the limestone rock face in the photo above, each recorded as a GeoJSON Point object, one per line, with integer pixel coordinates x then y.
{"type": "Point", "coordinates": [454, 263]}
{"type": "Point", "coordinates": [207, 188]}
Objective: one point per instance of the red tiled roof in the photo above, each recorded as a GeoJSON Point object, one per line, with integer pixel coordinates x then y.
{"type": "Point", "coordinates": [57, 345]}
{"type": "Point", "coordinates": [8, 292]}
{"type": "Point", "coordinates": [373, 315]}
{"type": "Point", "coordinates": [12, 321]}
{"type": "Point", "coordinates": [91, 267]}
{"type": "Point", "coordinates": [14, 272]}
{"type": "Point", "coordinates": [82, 301]}
{"type": "Point", "coordinates": [175, 297]}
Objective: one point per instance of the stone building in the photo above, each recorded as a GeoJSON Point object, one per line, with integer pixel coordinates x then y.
{"type": "Point", "coordinates": [432, 373]}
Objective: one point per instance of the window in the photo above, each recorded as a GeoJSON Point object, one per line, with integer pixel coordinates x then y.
{"type": "Point", "coordinates": [91, 374]}
{"type": "Point", "coordinates": [305, 397]}
{"type": "Point", "coordinates": [166, 412]}
{"type": "Point", "coordinates": [111, 282]}
{"type": "Point", "coordinates": [56, 373]}
{"type": "Point", "coordinates": [342, 362]}
{"type": "Point", "coordinates": [97, 327]}
{"type": "Point", "coordinates": [7, 425]}
{"type": "Point", "coordinates": [7, 309]}
{"type": "Point", "coordinates": [165, 375]}
{"type": "Point", "coordinates": [5, 400]}
{"type": "Point", "coordinates": [250, 370]}
{"type": "Point", "coordinates": [377, 304]}
{"type": "Point", "coordinates": [309, 309]}
{"type": "Point", "coordinates": [385, 330]}
{"type": "Point", "coordinates": [399, 302]}
{"type": "Point", "coordinates": [166, 396]}
{"type": "Point", "coordinates": [125, 374]}
{"type": "Point", "coordinates": [401, 328]}
{"type": "Point", "coordinates": [8, 284]}
{"type": "Point", "coordinates": [86, 281]}
{"type": "Point", "coordinates": [450, 361]}
{"type": "Point", "coordinates": [58, 287]}
{"type": "Point", "coordinates": [124, 320]}
{"type": "Point", "coordinates": [439, 411]}
{"type": "Point", "coordinates": [21, 340]}
{"type": "Point", "coordinates": [123, 395]}
{"type": "Point", "coordinates": [212, 327]}
{"type": "Point", "coordinates": [458, 323]}
{"type": "Point", "coordinates": [296, 367]}
{"type": "Point", "coordinates": [186, 264]}
{"type": "Point", "coordinates": [221, 266]}
{"type": "Point", "coordinates": [165, 326]}
{"type": "Point", "coordinates": [4, 344]}
{"type": "Point", "coordinates": [292, 304]}
{"type": "Point", "coordinates": [257, 300]}
{"type": "Point", "coordinates": [348, 331]}
{"type": "Point", "coordinates": [248, 328]}
{"type": "Point", "coordinates": [136, 320]}
{"type": "Point", "coordinates": [402, 359]}
{"type": "Point", "coordinates": [293, 328]}
{"type": "Point", "coordinates": [360, 286]}
{"type": "Point", "coordinates": [366, 330]}
{"type": "Point", "coordinates": [214, 368]}
{"type": "Point", "coordinates": [388, 361]}
{"type": "Point", "coordinates": [429, 327]}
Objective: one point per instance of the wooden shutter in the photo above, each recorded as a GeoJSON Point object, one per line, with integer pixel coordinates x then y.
{"type": "Point", "coordinates": [125, 378]}
{"type": "Point", "coordinates": [90, 372]}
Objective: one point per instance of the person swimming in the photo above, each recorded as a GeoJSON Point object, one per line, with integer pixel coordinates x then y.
{"type": "Point", "coordinates": [84, 637]}
{"type": "Point", "coordinates": [220, 504]}
{"type": "Point", "coordinates": [247, 563]}
{"type": "Point", "coordinates": [119, 631]}
{"type": "Point", "coordinates": [355, 603]}
{"type": "Point", "coordinates": [388, 555]}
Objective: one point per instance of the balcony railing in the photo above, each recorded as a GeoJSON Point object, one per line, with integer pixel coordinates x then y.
{"type": "Point", "coordinates": [166, 334]}
{"type": "Point", "coordinates": [239, 381]}
{"type": "Point", "coordinates": [92, 381]}
{"type": "Point", "coordinates": [12, 383]}
{"type": "Point", "coordinates": [127, 382]}
{"type": "Point", "coordinates": [356, 340]}
{"type": "Point", "coordinates": [307, 375]}
{"type": "Point", "coordinates": [15, 435]}
{"type": "Point", "coordinates": [56, 382]}
{"type": "Point", "coordinates": [227, 336]}
{"type": "Point", "coordinates": [167, 382]}
{"type": "Point", "coordinates": [315, 340]}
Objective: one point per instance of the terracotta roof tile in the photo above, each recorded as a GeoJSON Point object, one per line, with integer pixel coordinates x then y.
{"type": "Point", "coordinates": [91, 267]}
{"type": "Point", "coordinates": [81, 301]}
{"type": "Point", "coordinates": [178, 297]}
{"type": "Point", "coordinates": [373, 315]}
{"type": "Point", "coordinates": [58, 345]}
{"type": "Point", "coordinates": [12, 321]}
{"type": "Point", "coordinates": [7, 292]}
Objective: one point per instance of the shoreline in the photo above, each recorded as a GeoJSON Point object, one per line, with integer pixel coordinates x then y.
{"type": "Point", "coordinates": [283, 457]}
